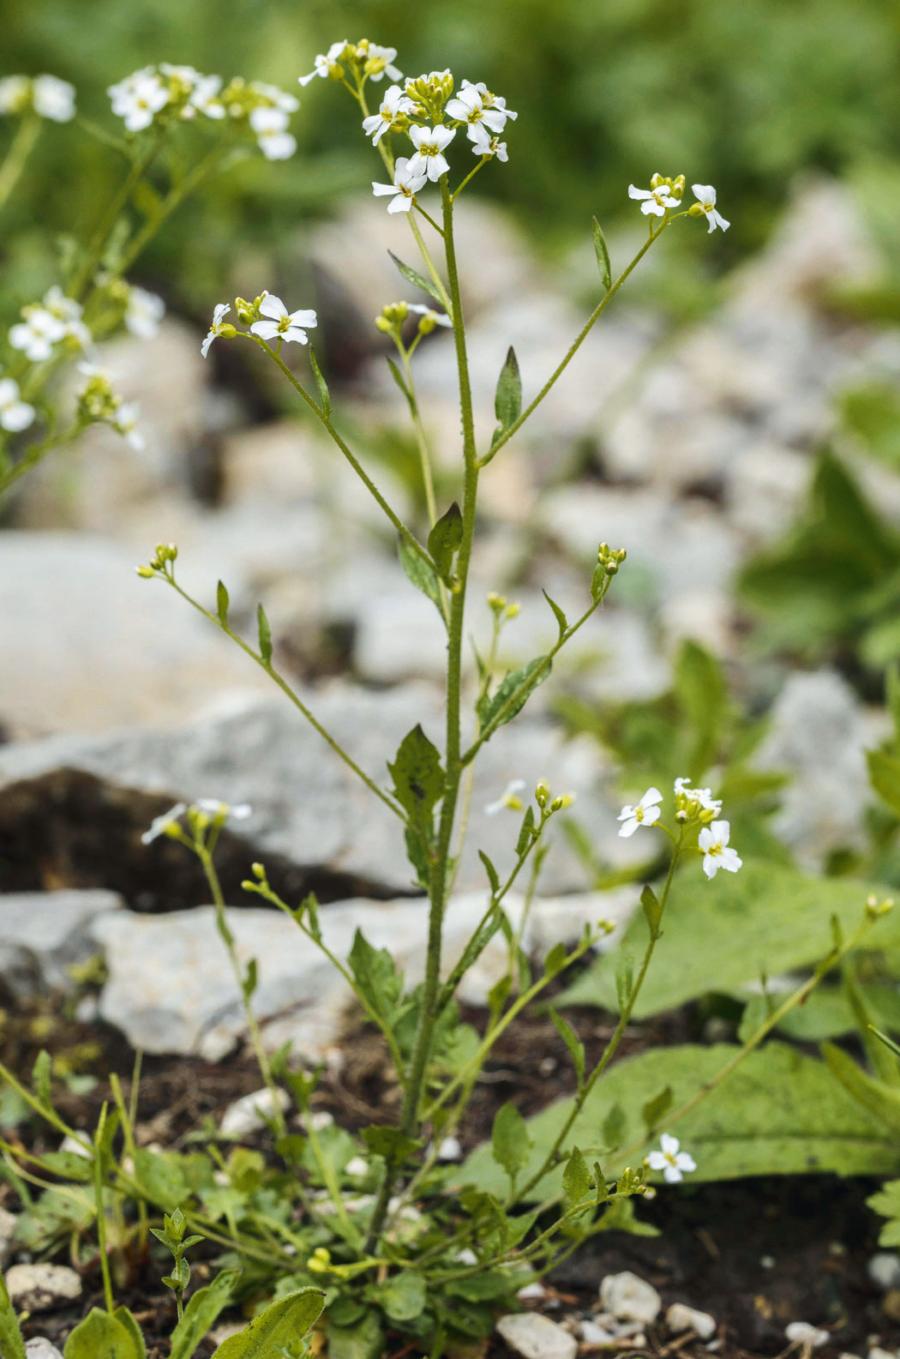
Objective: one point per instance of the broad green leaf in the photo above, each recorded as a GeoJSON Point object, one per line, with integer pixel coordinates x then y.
{"type": "Point", "coordinates": [101, 1336]}
{"type": "Point", "coordinates": [222, 602]}
{"type": "Point", "coordinates": [402, 1297]}
{"type": "Point", "coordinates": [720, 935]}
{"type": "Point", "coordinates": [363, 1340]}
{"type": "Point", "coordinates": [513, 692]}
{"type": "Point", "coordinates": [422, 575]}
{"type": "Point", "coordinates": [656, 1107]}
{"type": "Point", "coordinates": [68, 1165]}
{"type": "Point", "coordinates": [576, 1178]}
{"type": "Point", "coordinates": [510, 1142]}
{"type": "Point", "coordinates": [12, 1346]}
{"type": "Point", "coordinates": [201, 1314]}
{"type": "Point", "coordinates": [702, 695]}
{"type": "Point", "coordinates": [416, 279]}
{"type": "Point", "coordinates": [124, 1318]}
{"type": "Point", "coordinates": [377, 976]}
{"type": "Point", "coordinates": [778, 1113]}
{"type": "Point", "coordinates": [612, 1132]}
{"type": "Point", "coordinates": [508, 398]}
{"type": "Point", "coordinates": [161, 1178]}
{"type": "Point", "coordinates": [652, 910]}
{"type": "Point", "coordinates": [444, 541]}
{"type": "Point", "coordinates": [391, 1143]}
{"type": "Point", "coordinates": [880, 1099]}
{"type": "Point", "coordinates": [265, 635]}
{"type": "Point", "coordinates": [418, 776]}
{"type": "Point", "coordinates": [884, 775]}
{"type": "Point", "coordinates": [277, 1330]}
{"type": "Point", "coordinates": [601, 250]}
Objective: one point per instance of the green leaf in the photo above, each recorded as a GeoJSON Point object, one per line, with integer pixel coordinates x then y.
{"type": "Point", "coordinates": [277, 1330]}
{"type": "Point", "coordinates": [390, 1143]}
{"type": "Point", "coordinates": [493, 876]}
{"type": "Point", "coordinates": [101, 1336]}
{"type": "Point", "coordinates": [400, 381]}
{"type": "Point", "coordinates": [521, 683]}
{"type": "Point", "coordinates": [562, 621]}
{"type": "Point", "coordinates": [321, 384]}
{"type": "Point", "coordinates": [12, 1346]}
{"type": "Point", "coordinates": [265, 635]}
{"type": "Point", "coordinates": [444, 541]}
{"type": "Point", "coordinates": [160, 1178]}
{"type": "Point", "coordinates": [702, 695]}
{"type": "Point", "coordinates": [222, 602]}
{"type": "Point", "coordinates": [656, 1107]}
{"type": "Point", "coordinates": [779, 1113]}
{"type": "Point", "coordinates": [416, 279]}
{"type": "Point", "coordinates": [420, 573]}
{"type": "Point", "coordinates": [602, 252]}
{"type": "Point", "coordinates": [418, 776]}
{"type": "Point", "coordinates": [652, 910]}
{"type": "Point", "coordinates": [41, 1077]}
{"type": "Point", "coordinates": [508, 398]}
{"type": "Point", "coordinates": [613, 1130]}
{"type": "Point", "coordinates": [884, 775]}
{"type": "Point", "coordinates": [402, 1297]}
{"type": "Point", "coordinates": [573, 1043]}
{"type": "Point", "coordinates": [880, 1099]}
{"type": "Point", "coordinates": [201, 1314]}
{"type": "Point", "coordinates": [363, 1340]}
{"type": "Point", "coordinates": [377, 976]}
{"type": "Point", "coordinates": [576, 1179]}
{"type": "Point", "coordinates": [510, 1143]}
{"type": "Point", "coordinates": [124, 1318]}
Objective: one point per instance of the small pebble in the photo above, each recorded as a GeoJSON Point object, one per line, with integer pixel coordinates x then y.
{"type": "Point", "coordinates": [884, 1270]}
{"type": "Point", "coordinates": [801, 1333]}
{"type": "Point", "coordinates": [249, 1113]}
{"type": "Point", "coordinates": [536, 1337]}
{"type": "Point", "coordinates": [7, 1230]}
{"type": "Point", "coordinates": [876, 1352]}
{"type": "Point", "coordinates": [40, 1288]}
{"type": "Point", "coordinates": [592, 1333]}
{"type": "Point", "coordinates": [630, 1298]}
{"type": "Point", "coordinates": [683, 1318]}
{"type": "Point", "coordinates": [533, 1292]}
{"type": "Point", "coordinates": [450, 1149]}
{"type": "Point", "coordinates": [39, 1348]}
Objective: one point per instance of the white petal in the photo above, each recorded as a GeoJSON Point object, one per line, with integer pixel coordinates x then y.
{"type": "Point", "coordinates": [382, 190]}
{"type": "Point", "coordinates": [629, 829]}
{"type": "Point", "coordinates": [273, 306]}
{"type": "Point", "coordinates": [307, 319]}
{"type": "Point", "coordinates": [266, 330]}
{"type": "Point", "coordinates": [634, 192]}
{"type": "Point", "coordinates": [669, 1144]}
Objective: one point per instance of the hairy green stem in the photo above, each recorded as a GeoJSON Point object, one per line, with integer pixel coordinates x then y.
{"type": "Point", "coordinates": [17, 156]}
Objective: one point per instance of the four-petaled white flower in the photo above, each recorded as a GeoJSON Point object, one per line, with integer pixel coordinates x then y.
{"type": "Point", "coordinates": [508, 800]}
{"type": "Point", "coordinates": [673, 1162]}
{"type": "Point", "coordinates": [272, 136]}
{"type": "Point", "coordinates": [394, 103]}
{"type": "Point", "coordinates": [276, 97]}
{"type": "Point", "coordinates": [160, 824]}
{"type": "Point", "coordinates": [473, 107]}
{"type": "Point", "coordinates": [495, 102]}
{"type": "Point", "coordinates": [430, 144]}
{"type": "Point", "coordinates": [213, 806]}
{"type": "Point", "coordinates": [53, 98]}
{"type": "Point", "coordinates": [281, 324]}
{"type": "Point", "coordinates": [215, 330]}
{"type": "Point", "coordinates": [15, 414]}
{"type": "Point", "coordinates": [705, 195]}
{"type": "Point", "coordinates": [655, 201]}
{"type": "Point", "coordinates": [380, 62]}
{"type": "Point", "coordinates": [407, 183]}
{"type": "Point", "coordinates": [143, 313]}
{"type": "Point", "coordinates": [324, 62]}
{"type": "Point", "coordinates": [437, 318]}
{"type": "Point", "coordinates": [484, 144]}
{"type": "Point", "coordinates": [37, 334]}
{"type": "Point", "coordinates": [138, 98]}
{"type": "Point", "coordinates": [717, 853]}
{"type": "Point", "coordinates": [643, 813]}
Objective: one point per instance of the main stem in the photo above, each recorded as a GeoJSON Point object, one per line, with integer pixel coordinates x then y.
{"type": "Point", "coordinates": [440, 864]}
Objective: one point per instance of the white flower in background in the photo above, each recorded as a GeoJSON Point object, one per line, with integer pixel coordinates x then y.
{"type": "Point", "coordinates": [213, 806]}
{"type": "Point", "coordinates": [475, 107]}
{"type": "Point", "coordinates": [281, 324]}
{"type": "Point", "coordinates": [434, 318]}
{"type": "Point", "coordinates": [811, 1337]}
{"type": "Point", "coordinates": [278, 98]}
{"type": "Point", "coordinates": [205, 98]}
{"type": "Point", "coordinates": [394, 104]}
{"type": "Point", "coordinates": [15, 414]}
{"type": "Point", "coordinates": [655, 200]}
{"type": "Point", "coordinates": [37, 335]}
{"type": "Point", "coordinates": [125, 423]}
{"type": "Point", "coordinates": [483, 144]}
{"type": "Point", "coordinates": [160, 824]}
{"type": "Point", "coordinates": [705, 195]}
{"type": "Point", "coordinates": [407, 183]}
{"type": "Point", "coordinates": [430, 144]}
{"type": "Point", "coordinates": [143, 313]}
{"type": "Point", "coordinates": [717, 853]}
{"type": "Point", "coordinates": [68, 312]}
{"type": "Point", "coordinates": [138, 98]}
{"type": "Point", "coordinates": [273, 138]}
{"type": "Point", "coordinates": [53, 98]}
{"type": "Point", "coordinates": [643, 813]}
{"type": "Point", "coordinates": [215, 330]}
{"type": "Point", "coordinates": [326, 62]}
{"type": "Point", "coordinates": [673, 1162]}
{"type": "Point", "coordinates": [701, 797]}
{"type": "Point", "coordinates": [508, 800]}
{"type": "Point", "coordinates": [450, 1149]}
{"type": "Point", "coordinates": [379, 61]}
{"type": "Point", "coordinates": [357, 1168]}
{"type": "Point", "coordinates": [15, 91]}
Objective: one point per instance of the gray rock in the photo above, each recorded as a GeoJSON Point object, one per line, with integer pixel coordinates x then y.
{"type": "Point", "coordinates": [680, 1317]}
{"type": "Point", "coordinates": [42, 1287]}
{"type": "Point", "coordinates": [7, 1229]}
{"type": "Point", "coordinates": [534, 1336]}
{"type": "Point", "coordinates": [41, 1348]}
{"type": "Point", "coordinates": [630, 1298]}
{"type": "Point", "coordinates": [802, 1333]}
{"type": "Point", "coordinates": [42, 934]}
{"type": "Point", "coordinates": [884, 1270]}
{"type": "Point", "coordinates": [249, 1113]}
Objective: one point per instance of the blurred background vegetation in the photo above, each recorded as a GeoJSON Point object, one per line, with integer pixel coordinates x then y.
{"type": "Point", "coordinates": [741, 95]}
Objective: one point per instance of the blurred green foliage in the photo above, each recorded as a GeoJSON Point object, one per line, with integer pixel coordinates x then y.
{"type": "Point", "coordinates": [742, 96]}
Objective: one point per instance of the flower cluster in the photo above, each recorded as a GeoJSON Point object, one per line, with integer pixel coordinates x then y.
{"type": "Point", "coordinates": [510, 799]}
{"type": "Point", "coordinates": [267, 318]}
{"type": "Point", "coordinates": [166, 93]}
{"type": "Point", "coordinates": [46, 95]}
{"type": "Point", "coordinates": [393, 316]}
{"type": "Point", "coordinates": [693, 806]}
{"type": "Point", "coordinates": [48, 325]}
{"type": "Point", "coordinates": [665, 194]}
{"type": "Point", "coordinates": [98, 404]}
{"type": "Point", "coordinates": [371, 61]}
{"type": "Point", "coordinates": [15, 414]}
{"type": "Point", "coordinates": [203, 813]}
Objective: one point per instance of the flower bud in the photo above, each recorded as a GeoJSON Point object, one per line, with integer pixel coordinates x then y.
{"type": "Point", "coordinates": [542, 794]}
{"type": "Point", "coordinates": [496, 603]}
{"type": "Point", "coordinates": [145, 572]}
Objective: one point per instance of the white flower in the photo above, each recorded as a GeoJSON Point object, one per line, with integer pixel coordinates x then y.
{"type": "Point", "coordinates": [705, 195]}
{"type": "Point", "coordinates": [213, 806]}
{"type": "Point", "coordinates": [483, 144]}
{"type": "Point", "coordinates": [143, 313]}
{"type": "Point", "coordinates": [508, 800]}
{"type": "Point", "coordinates": [205, 98]}
{"type": "Point", "coordinates": [325, 62]}
{"type": "Point", "coordinates": [407, 183]}
{"type": "Point", "coordinates": [278, 98]}
{"type": "Point", "coordinates": [221, 311]}
{"type": "Point", "coordinates": [15, 414]}
{"type": "Point", "coordinates": [644, 813]}
{"type": "Point", "coordinates": [394, 103]}
{"type": "Point", "coordinates": [37, 334]}
{"type": "Point", "coordinates": [160, 824]}
{"type": "Point", "coordinates": [655, 200]}
{"type": "Point", "coordinates": [379, 62]}
{"type": "Point", "coordinates": [437, 318]}
{"type": "Point", "coordinates": [475, 107]}
{"type": "Point", "coordinates": [702, 797]}
{"type": "Point", "coordinates": [125, 423]}
{"type": "Point", "coordinates": [430, 144]}
{"type": "Point", "coordinates": [138, 98]}
{"type": "Point", "coordinates": [273, 139]}
{"type": "Point", "coordinates": [53, 98]}
{"type": "Point", "coordinates": [281, 323]}
{"type": "Point", "coordinates": [494, 102]}
{"type": "Point", "coordinates": [14, 93]}
{"type": "Point", "coordinates": [672, 1162]}
{"type": "Point", "coordinates": [357, 1167]}
{"type": "Point", "coordinates": [717, 853]}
